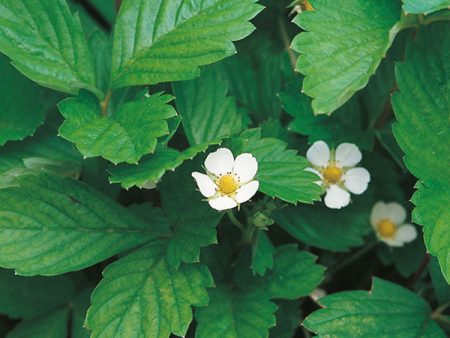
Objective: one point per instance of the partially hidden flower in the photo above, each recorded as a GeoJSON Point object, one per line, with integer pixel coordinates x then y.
{"type": "Point", "coordinates": [336, 169]}
{"type": "Point", "coordinates": [228, 182]}
{"type": "Point", "coordinates": [388, 221]}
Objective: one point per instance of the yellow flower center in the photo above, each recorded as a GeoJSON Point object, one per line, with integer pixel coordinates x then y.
{"type": "Point", "coordinates": [386, 228]}
{"type": "Point", "coordinates": [227, 184]}
{"type": "Point", "coordinates": [332, 174]}
{"type": "Point", "coordinates": [307, 6]}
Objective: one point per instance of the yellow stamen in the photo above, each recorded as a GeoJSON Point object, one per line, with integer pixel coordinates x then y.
{"type": "Point", "coordinates": [332, 174]}
{"type": "Point", "coordinates": [307, 6]}
{"type": "Point", "coordinates": [386, 228]}
{"type": "Point", "coordinates": [227, 184]}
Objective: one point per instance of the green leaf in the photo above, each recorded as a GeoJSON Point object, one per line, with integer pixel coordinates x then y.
{"type": "Point", "coordinates": [386, 138]}
{"type": "Point", "coordinates": [333, 230]}
{"type": "Point", "coordinates": [424, 6]}
{"type": "Point", "coordinates": [47, 44]}
{"type": "Point", "coordinates": [440, 286]}
{"type": "Point", "coordinates": [295, 273]}
{"type": "Point", "coordinates": [27, 297]}
{"type": "Point", "coordinates": [125, 136]}
{"type": "Point", "coordinates": [152, 167]}
{"type": "Point", "coordinates": [59, 225]}
{"type": "Point", "coordinates": [51, 325]}
{"type": "Point", "coordinates": [288, 319]}
{"type": "Point", "coordinates": [422, 110]}
{"type": "Point", "coordinates": [141, 295]}
{"type": "Point", "coordinates": [192, 219]}
{"type": "Point", "coordinates": [387, 311]}
{"type": "Point", "coordinates": [207, 112]}
{"type": "Point", "coordinates": [342, 48]}
{"type": "Point", "coordinates": [18, 118]}
{"type": "Point", "coordinates": [280, 171]}
{"type": "Point", "coordinates": [158, 41]}
{"type": "Point", "coordinates": [235, 314]}
{"type": "Point", "coordinates": [262, 253]}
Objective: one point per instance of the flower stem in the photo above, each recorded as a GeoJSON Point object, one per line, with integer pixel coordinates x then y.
{"type": "Point", "coordinates": [105, 103]}
{"type": "Point", "coordinates": [349, 260]}
{"type": "Point", "coordinates": [235, 221]}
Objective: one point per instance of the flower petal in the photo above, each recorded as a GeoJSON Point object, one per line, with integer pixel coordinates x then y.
{"type": "Point", "coordinates": [356, 180]}
{"type": "Point", "coordinates": [395, 212]}
{"type": "Point", "coordinates": [378, 213]}
{"type": "Point", "coordinates": [320, 182]}
{"type": "Point", "coordinates": [247, 191]}
{"type": "Point", "coordinates": [348, 155]}
{"type": "Point", "coordinates": [206, 186]}
{"type": "Point", "coordinates": [391, 242]}
{"type": "Point", "coordinates": [245, 167]}
{"type": "Point", "coordinates": [220, 162]}
{"type": "Point", "coordinates": [318, 154]}
{"type": "Point", "coordinates": [406, 233]}
{"type": "Point", "coordinates": [336, 197]}
{"type": "Point", "coordinates": [222, 203]}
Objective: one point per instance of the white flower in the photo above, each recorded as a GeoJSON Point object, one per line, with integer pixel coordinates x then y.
{"type": "Point", "coordinates": [336, 169]}
{"type": "Point", "coordinates": [228, 182]}
{"type": "Point", "coordinates": [388, 221]}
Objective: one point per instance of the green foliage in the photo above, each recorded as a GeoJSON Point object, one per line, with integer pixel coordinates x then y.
{"type": "Point", "coordinates": [407, 315]}
{"type": "Point", "coordinates": [424, 6]}
{"type": "Point", "coordinates": [342, 47]}
{"type": "Point", "coordinates": [422, 110]}
{"type": "Point", "coordinates": [262, 254]}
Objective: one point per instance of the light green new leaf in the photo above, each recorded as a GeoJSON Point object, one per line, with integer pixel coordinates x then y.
{"type": "Point", "coordinates": [50, 325]}
{"type": "Point", "coordinates": [207, 112]}
{"type": "Point", "coordinates": [152, 167]}
{"type": "Point", "coordinates": [140, 295]}
{"type": "Point", "coordinates": [387, 311]}
{"type": "Point", "coordinates": [423, 129]}
{"type": "Point", "coordinates": [235, 314]}
{"type": "Point", "coordinates": [47, 44]}
{"type": "Point", "coordinates": [192, 219]}
{"type": "Point", "coordinates": [18, 118]}
{"type": "Point", "coordinates": [50, 225]}
{"type": "Point", "coordinates": [295, 273]}
{"type": "Point", "coordinates": [334, 230]}
{"type": "Point", "coordinates": [161, 40]}
{"type": "Point", "coordinates": [342, 47]}
{"type": "Point", "coordinates": [424, 6]}
{"type": "Point", "coordinates": [26, 297]}
{"type": "Point", "coordinates": [125, 136]}
{"type": "Point", "coordinates": [280, 171]}
{"type": "Point", "coordinates": [262, 253]}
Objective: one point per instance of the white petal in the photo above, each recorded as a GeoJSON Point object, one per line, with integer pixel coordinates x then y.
{"type": "Point", "coordinates": [222, 203]}
{"type": "Point", "coordinates": [220, 162]}
{"type": "Point", "coordinates": [356, 180]}
{"type": "Point", "coordinates": [378, 213]}
{"type": "Point", "coordinates": [336, 197]}
{"type": "Point", "coordinates": [245, 167]}
{"type": "Point", "coordinates": [406, 233]}
{"type": "Point", "coordinates": [206, 186]}
{"type": "Point", "coordinates": [317, 173]}
{"type": "Point", "coordinates": [348, 155]}
{"type": "Point", "coordinates": [318, 154]}
{"type": "Point", "coordinates": [247, 191]}
{"type": "Point", "coordinates": [391, 242]}
{"type": "Point", "coordinates": [395, 212]}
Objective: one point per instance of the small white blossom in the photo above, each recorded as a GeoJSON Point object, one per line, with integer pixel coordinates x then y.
{"type": "Point", "coordinates": [228, 182]}
{"type": "Point", "coordinates": [388, 221]}
{"type": "Point", "coordinates": [336, 169]}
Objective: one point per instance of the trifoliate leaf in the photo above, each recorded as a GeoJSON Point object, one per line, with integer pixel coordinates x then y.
{"type": "Point", "coordinates": [288, 319]}
{"type": "Point", "coordinates": [280, 171]}
{"type": "Point", "coordinates": [235, 314]}
{"type": "Point", "coordinates": [387, 311]}
{"type": "Point", "coordinates": [47, 44]}
{"type": "Point", "coordinates": [207, 112]}
{"type": "Point", "coordinates": [141, 295]}
{"type": "Point", "coordinates": [18, 118]}
{"type": "Point", "coordinates": [294, 274]}
{"type": "Point", "coordinates": [334, 230]}
{"type": "Point", "coordinates": [192, 219]}
{"type": "Point", "coordinates": [125, 136]}
{"type": "Point", "coordinates": [158, 41]}
{"type": "Point", "coordinates": [262, 253]}
{"type": "Point", "coordinates": [60, 224]}
{"type": "Point", "coordinates": [51, 325]}
{"type": "Point", "coordinates": [26, 297]}
{"type": "Point", "coordinates": [152, 167]}
{"type": "Point", "coordinates": [342, 48]}
{"type": "Point", "coordinates": [424, 6]}
{"type": "Point", "coordinates": [345, 125]}
{"type": "Point", "coordinates": [422, 110]}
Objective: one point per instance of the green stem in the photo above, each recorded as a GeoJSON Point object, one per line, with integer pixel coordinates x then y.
{"type": "Point", "coordinates": [349, 260]}
{"type": "Point", "coordinates": [235, 221]}
{"type": "Point", "coordinates": [438, 313]}
{"type": "Point", "coordinates": [105, 103]}
{"type": "Point", "coordinates": [436, 17]}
